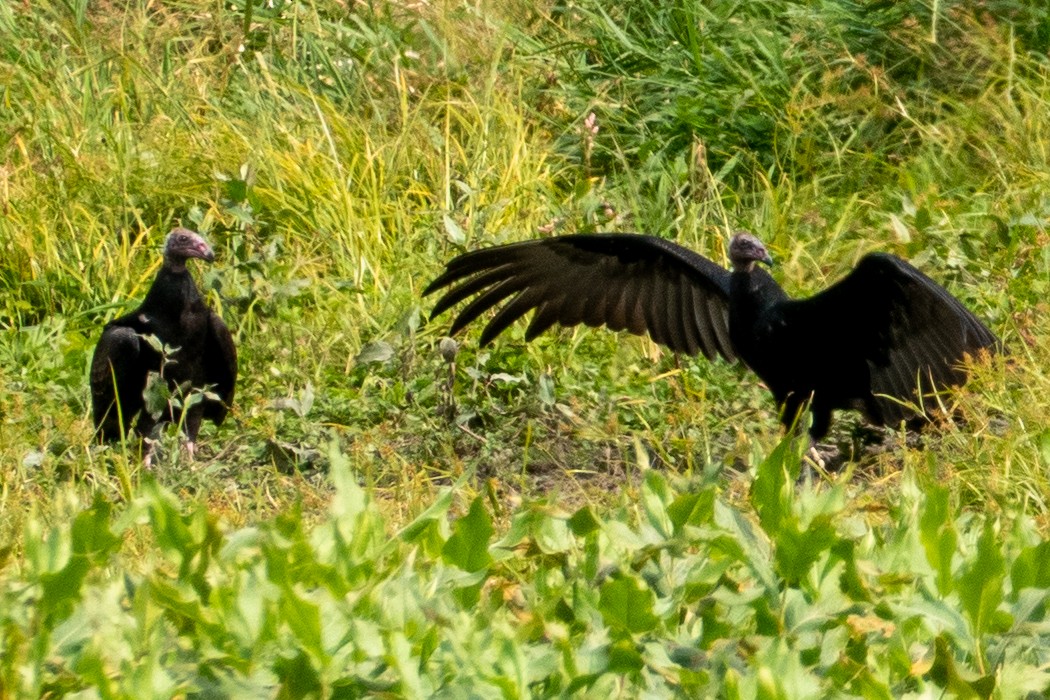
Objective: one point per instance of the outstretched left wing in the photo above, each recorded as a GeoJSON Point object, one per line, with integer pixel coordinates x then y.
{"type": "Point", "coordinates": [912, 333]}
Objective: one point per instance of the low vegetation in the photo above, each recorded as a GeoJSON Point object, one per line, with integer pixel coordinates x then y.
{"type": "Point", "coordinates": [584, 514]}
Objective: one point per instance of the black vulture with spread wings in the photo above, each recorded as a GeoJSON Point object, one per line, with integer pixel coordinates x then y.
{"type": "Point", "coordinates": [204, 356]}
{"type": "Point", "coordinates": [883, 339]}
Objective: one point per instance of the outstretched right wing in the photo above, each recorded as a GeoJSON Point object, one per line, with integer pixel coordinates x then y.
{"type": "Point", "coordinates": [641, 284]}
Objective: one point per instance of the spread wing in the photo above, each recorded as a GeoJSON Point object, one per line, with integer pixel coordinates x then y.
{"type": "Point", "coordinates": [908, 329]}
{"type": "Point", "coordinates": [220, 367]}
{"type": "Point", "coordinates": [641, 284]}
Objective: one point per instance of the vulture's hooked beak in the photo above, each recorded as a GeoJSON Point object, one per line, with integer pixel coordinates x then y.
{"type": "Point", "coordinates": [206, 254]}
{"type": "Point", "coordinates": [768, 260]}
{"type": "Point", "coordinates": [199, 248]}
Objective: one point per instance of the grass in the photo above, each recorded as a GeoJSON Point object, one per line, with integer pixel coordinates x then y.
{"type": "Point", "coordinates": [337, 156]}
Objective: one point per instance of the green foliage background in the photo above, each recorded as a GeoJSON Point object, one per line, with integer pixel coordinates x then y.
{"type": "Point", "coordinates": [581, 515]}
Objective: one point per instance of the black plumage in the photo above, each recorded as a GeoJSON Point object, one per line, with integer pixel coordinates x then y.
{"type": "Point", "coordinates": [174, 312]}
{"type": "Point", "coordinates": [883, 339]}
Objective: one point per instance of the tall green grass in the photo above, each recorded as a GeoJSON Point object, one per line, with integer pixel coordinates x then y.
{"type": "Point", "coordinates": [338, 155]}
{"type": "Point", "coordinates": [621, 520]}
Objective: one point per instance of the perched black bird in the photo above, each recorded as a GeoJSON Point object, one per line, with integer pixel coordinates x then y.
{"type": "Point", "coordinates": [175, 313]}
{"type": "Point", "coordinates": [882, 340]}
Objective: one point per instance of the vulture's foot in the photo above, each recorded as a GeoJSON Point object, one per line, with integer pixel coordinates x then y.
{"type": "Point", "coordinates": [821, 459]}
{"type": "Point", "coordinates": [191, 449]}
{"type": "Point", "coordinates": [149, 446]}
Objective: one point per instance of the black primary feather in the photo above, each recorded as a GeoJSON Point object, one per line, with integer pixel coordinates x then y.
{"type": "Point", "coordinates": [883, 339]}
{"type": "Point", "coordinates": [174, 311]}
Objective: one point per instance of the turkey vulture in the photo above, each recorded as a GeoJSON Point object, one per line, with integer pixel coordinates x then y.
{"type": "Point", "coordinates": [174, 312]}
{"type": "Point", "coordinates": [882, 339]}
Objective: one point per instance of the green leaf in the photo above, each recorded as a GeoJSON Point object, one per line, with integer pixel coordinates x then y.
{"type": "Point", "coordinates": [155, 395]}
{"type": "Point", "coordinates": [851, 582]}
{"type": "Point", "coordinates": [453, 230]}
{"type": "Point", "coordinates": [303, 618]}
{"type": "Point", "coordinates": [61, 589]}
{"type": "Point", "coordinates": [545, 387]}
{"type": "Point", "coordinates": [624, 657]}
{"type": "Point", "coordinates": [374, 352]}
{"type": "Point", "coordinates": [181, 602]}
{"type": "Point", "coordinates": [627, 605]}
{"type": "Point", "coordinates": [468, 547]}
{"type": "Point", "coordinates": [695, 509]}
{"type": "Point", "coordinates": [796, 547]}
{"type": "Point", "coordinates": [773, 491]}
{"type": "Point", "coordinates": [938, 535]}
{"type": "Point", "coordinates": [1031, 568]}
{"type": "Point", "coordinates": [946, 673]}
{"type": "Point", "coordinates": [429, 529]}
{"type": "Point", "coordinates": [981, 583]}
{"type": "Point", "coordinates": [798, 550]}
{"type": "Point", "coordinates": [583, 522]}
{"type": "Point", "coordinates": [299, 678]}
{"type": "Point", "coordinates": [656, 496]}
{"type": "Point", "coordinates": [552, 533]}
{"type": "Point", "coordinates": [91, 534]}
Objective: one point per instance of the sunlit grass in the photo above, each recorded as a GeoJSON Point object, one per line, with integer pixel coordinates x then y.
{"type": "Point", "coordinates": [337, 155]}
{"type": "Point", "coordinates": [338, 164]}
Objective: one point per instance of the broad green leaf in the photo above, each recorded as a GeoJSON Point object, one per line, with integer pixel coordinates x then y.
{"type": "Point", "coordinates": [938, 535]}
{"type": "Point", "coordinates": [453, 230]}
{"type": "Point", "coordinates": [299, 678]}
{"type": "Point", "coordinates": [695, 509]}
{"type": "Point", "coordinates": [797, 551]}
{"type": "Point", "coordinates": [90, 544]}
{"type": "Point", "coordinates": [981, 583]}
{"type": "Point", "coordinates": [430, 528]}
{"type": "Point", "coordinates": [655, 499]}
{"type": "Point", "coordinates": [851, 582]}
{"type": "Point", "coordinates": [61, 589]}
{"type": "Point", "coordinates": [1031, 568]}
{"type": "Point", "coordinates": [468, 547]}
{"type": "Point", "coordinates": [182, 603]}
{"type": "Point", "coordinates": [303, 618]}
{"type": "Point", "coordinates": [773, 491]}
{"type": "Point", "coordinates": [584, 521]}
{"type": "Point", "coordinates": [781, 673]}
{"type": "Point", "coordinates": [91, 534]}
{"type": "Point", "coordinates": [627, 605]}
{"type": "Point", "coordinates": [624, 657]}
{"type": "Point", "coordinates": [155, 395]}
{"type": "Point", "coordinates": [552, 534]}
{"type": "Point", "coordinates": [374, 352]}
{"type": "Point", "coordinates": [946, 673]}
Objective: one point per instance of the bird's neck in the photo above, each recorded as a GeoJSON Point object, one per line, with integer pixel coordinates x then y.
{"type": "Point", "coordinates": [175, 264]}
{"type": "Point", "coordinates": [753, 297]}
{"type": "Point", "coordinates": [754, 290]}
{"type": "Point", "coordinates": [173, 289]}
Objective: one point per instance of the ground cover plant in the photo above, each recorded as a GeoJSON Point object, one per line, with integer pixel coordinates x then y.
{"type": "Point", "coordinates": [581, 515]}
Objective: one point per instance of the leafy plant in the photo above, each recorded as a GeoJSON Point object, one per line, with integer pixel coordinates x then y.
{"type": "Point", "coordinates": [679, 593]}
{"type": "Point", "coordinates": [581, 515]}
